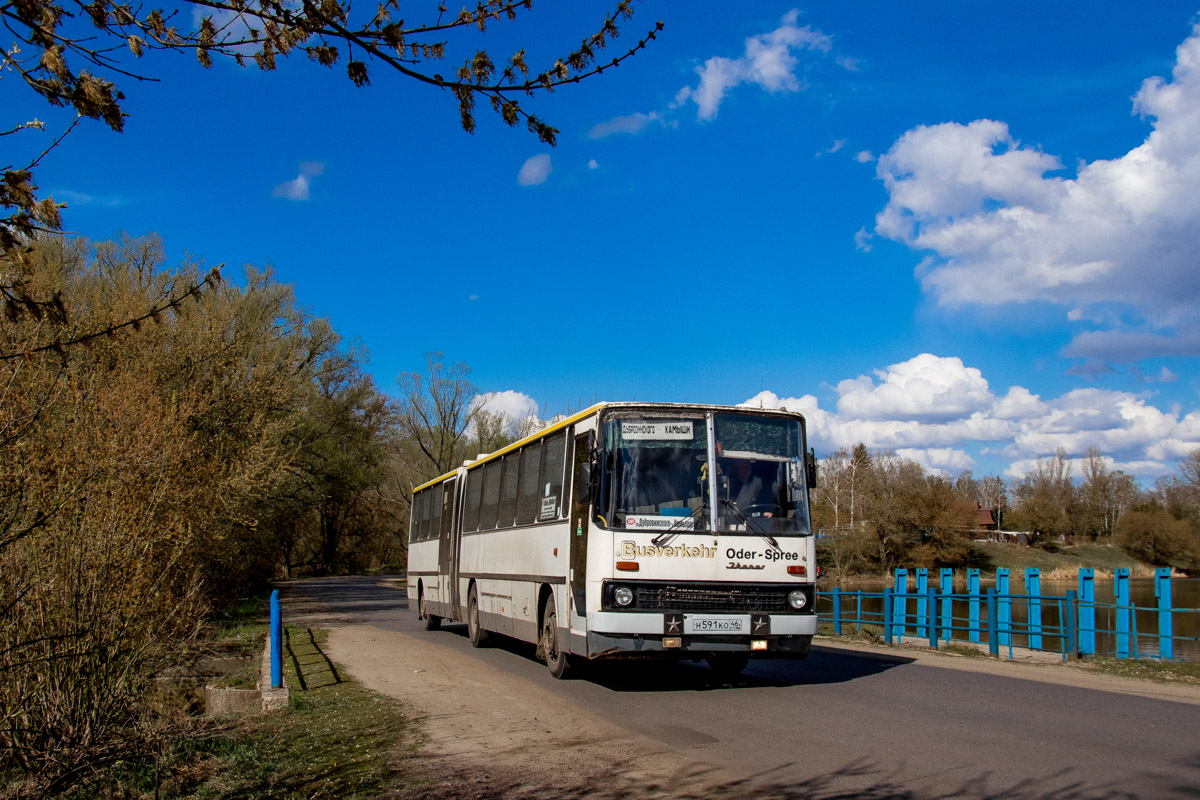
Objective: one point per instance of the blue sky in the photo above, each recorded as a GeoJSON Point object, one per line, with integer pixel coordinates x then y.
{"type": "Point", "coordinates": [967, 231]}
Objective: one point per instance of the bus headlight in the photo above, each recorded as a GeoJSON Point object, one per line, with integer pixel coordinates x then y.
{"type": "Point", "coordinates": [797, 599]}
{"type": "Point", "coordinates": [623, 596]}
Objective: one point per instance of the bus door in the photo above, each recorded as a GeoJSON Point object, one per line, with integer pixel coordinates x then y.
{"type": "Point", "coordinates": [448, 550]}
{"type": "Point", "coordinates": [580, 505]}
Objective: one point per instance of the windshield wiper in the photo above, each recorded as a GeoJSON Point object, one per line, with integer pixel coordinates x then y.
{"type": "Point", "coordinates": [669, 533]}
{"type": "Point", "coordinates": [749, 523]}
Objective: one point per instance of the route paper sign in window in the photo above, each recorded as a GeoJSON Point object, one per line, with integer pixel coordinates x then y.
{"type": "Point", "coordinates": [633, 430]}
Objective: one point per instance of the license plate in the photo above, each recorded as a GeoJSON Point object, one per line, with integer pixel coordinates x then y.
{"type": "Point", "coordinates": [695, 624]}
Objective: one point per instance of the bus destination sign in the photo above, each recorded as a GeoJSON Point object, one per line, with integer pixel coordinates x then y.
{"type": "Point", "coordinates": [636, 430]}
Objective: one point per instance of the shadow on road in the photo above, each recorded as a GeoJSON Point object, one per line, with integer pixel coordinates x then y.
{"type": "Point", "coordinates": [858, 779]}
{"type": "Point", "coordinates": [652, 675]}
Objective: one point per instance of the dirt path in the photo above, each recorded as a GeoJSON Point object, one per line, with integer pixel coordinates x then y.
{"type": "Point", "coordinates": [526, 742]}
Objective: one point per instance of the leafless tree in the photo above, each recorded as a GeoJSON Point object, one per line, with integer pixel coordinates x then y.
{"type": "Point", "coordinates": [435, 408]}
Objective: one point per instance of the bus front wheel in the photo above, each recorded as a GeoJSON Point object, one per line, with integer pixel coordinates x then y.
{"type": "Point", "coordinates": [556, 659]}
{"type": "Point", "coordinates": [475, 631]}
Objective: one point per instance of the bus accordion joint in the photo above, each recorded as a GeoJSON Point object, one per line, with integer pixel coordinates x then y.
{"type": "Point", "coordinates": [627, 566]}
{"type": "Point", "coordinates": [797, 569]}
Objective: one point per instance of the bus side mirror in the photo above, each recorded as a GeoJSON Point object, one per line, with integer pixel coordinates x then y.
{"type": "Point", "coordinates": [810, 465]}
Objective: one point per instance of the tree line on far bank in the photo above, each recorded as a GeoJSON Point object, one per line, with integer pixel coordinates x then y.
{"type": "Point", "coordinates": [877, 510]}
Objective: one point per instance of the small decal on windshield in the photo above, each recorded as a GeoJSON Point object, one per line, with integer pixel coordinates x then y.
{"type": "Point", "coordinates": [642, 523]}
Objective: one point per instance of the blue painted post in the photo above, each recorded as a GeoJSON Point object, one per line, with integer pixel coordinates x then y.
{"type": "Point", "coordinates": [1003, 607]}
{"type": "Point", "coordinates": [1068, 615]}
{"type": "Point", "coordinates": [1121, 589]}
{"type": "Point", "coordinates": [858, 610]}
{"type": "Point", "coordinates": [900, 603]}
{"type": "Point", "coordinates": [276, 642]}
{"type": "Point", "coordinates": [1162, 590]}
{"type": "Point", "coordinates": [947, 589]}
{"type": "Point", "coordinates": [887, 615]}
{"type": "Point", "coordinates": [973, 602]}
{"type": "Point", "coordinates": [923, 608]}
{"type": "Point", "coordinates": [1033, 596]}
{"type": "Point", "coordinates": [1087, 611]}
{"type": "Point", "coordinates": [837, 610]}
{"type": "Point", "coordinates": [931, 620]}
{"type": "Point", "coordinates": [993, 632]}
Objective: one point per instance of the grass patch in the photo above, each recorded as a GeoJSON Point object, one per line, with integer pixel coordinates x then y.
{"type": "Point", "coordinates": [241, 628]}
{"type": "Point", "coordinates": [339, 740]}
{"type": "Point", "coordinates": [1101, 557]}
{"type": "Point", "coordinates": [1158, 671]}
{"type": "Point", "coordinates": [962, 650]}
{"type": "Point", "coordinates": [872, 634]}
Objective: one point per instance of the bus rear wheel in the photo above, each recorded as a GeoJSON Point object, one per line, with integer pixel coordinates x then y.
{"type": "Point", "coordinates": [556, 659]}
{"type": "Point", "coordinates": [432, 621]}
{"type": "Point", "coordinates": [475, 631]}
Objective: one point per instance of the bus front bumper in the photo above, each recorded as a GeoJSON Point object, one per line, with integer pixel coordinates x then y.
{"type": "Point", "coordinates": [686, 635]}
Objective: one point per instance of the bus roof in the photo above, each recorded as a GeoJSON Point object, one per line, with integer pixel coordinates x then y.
{"type": "Point", "coordinates": [595, 409]}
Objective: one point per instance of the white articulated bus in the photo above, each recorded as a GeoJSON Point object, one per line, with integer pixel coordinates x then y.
{"type": "Point", "coordinates": [628, 530]}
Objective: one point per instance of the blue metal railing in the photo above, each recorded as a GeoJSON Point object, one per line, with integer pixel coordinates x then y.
{"type": "Point", "coordinates": [1071, 624]}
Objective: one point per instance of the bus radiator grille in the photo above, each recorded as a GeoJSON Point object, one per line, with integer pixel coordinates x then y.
{"type": "Point", "coordinates": [731, 599]}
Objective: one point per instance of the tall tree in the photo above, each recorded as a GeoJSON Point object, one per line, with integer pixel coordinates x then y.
{"type": "Point", "coordinates": [1102, 495]}
{"type": "Point", "coordinates": [435, 409]}
{"type": "Point", "coordinates": [1046, 498]}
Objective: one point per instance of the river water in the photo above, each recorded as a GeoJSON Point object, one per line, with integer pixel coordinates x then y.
{"type": "Point", "coordinates": [1185, 599]}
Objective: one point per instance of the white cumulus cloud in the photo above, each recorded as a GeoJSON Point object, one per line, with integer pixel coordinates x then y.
{"type": "Point", "coordinates": [630, 123]}
{"type": "Point", "coordinates": [512, 404]}
{"type": "Point", "coordinates": [769, 62]}
{"type": "Point", "coordinates": [924, 387]}
{"type": "Point", "coordinates": [535, 170]}
{"type": "Point", "coordinates": [1002, 227]}
{"type": "Point", "coordinates": [937, 411]}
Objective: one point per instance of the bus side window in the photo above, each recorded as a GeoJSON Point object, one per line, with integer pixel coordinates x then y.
{"type": "Point", "coordinates": [491, 496]}
{"type": "Point", "coordinates": [435, 511]}
{"type": "Point", "coordinates": [552, 473]}
{"type": "Point", "coordinates": [508, 491]}
{"type": "Point", "coordinates": [425, 497]}
{"type": "Point", "coordinates": [528, 488]}
{"type": "Point", "coordinates": [471, 509]}
{"type": "Point", "coordinates": [414, 519]}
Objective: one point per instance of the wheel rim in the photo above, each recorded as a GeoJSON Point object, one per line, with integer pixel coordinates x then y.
{"type": "Point", "coordinates": [550, 641]}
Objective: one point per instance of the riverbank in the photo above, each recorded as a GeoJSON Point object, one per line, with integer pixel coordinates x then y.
{"type": "Point", "coordinates": [1058, 562]}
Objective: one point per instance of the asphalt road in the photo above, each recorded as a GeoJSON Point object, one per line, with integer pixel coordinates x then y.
{"type": "Point", "coordinates": [851, 724]}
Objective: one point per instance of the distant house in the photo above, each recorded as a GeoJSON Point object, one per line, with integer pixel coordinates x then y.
{"type": "Point", "coordinates": [985, 519]}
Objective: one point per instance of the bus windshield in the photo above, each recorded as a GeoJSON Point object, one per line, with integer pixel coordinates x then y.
{"type": "Point", "coordinates": [660, 474]}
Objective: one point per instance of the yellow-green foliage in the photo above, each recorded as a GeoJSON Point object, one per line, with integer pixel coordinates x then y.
{"type": "Point", "coordinates": [133, 471]}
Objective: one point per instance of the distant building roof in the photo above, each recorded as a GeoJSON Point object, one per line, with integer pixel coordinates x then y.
{"type": "Point", "coordinates": [984, 518]}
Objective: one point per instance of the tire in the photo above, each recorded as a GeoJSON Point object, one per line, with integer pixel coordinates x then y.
{"type": "Point", "coordinates": [475, 631]}
{"type": "Point", "coordinates": [432, 621]}
{"type": "Point", "coordinates": [557, 660]}
{"type": "Point", "coordinates": [728, 665]}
